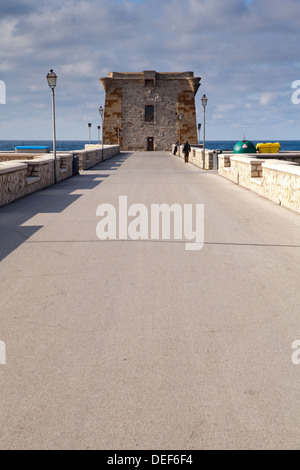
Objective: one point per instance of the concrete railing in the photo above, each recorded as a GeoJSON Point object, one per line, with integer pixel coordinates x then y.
{"type": "Point", "coordinates": [276, 180]}
{"type": "Point", "coordinates": [21, 177]}
{"type": "Point", "coordinates": [196, 156]}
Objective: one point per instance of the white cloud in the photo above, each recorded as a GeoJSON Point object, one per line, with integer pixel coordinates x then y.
{"type": "Point", "coordinates": [267, 98]}
{"type": "Point", "coordinates": [223, 108]}
{"type": "Point", "coordinates": [218, 116]}
{"type": "Point", "coordinates": [245, 54]}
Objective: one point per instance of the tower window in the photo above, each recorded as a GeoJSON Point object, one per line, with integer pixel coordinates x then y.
{"type": "Point", "coordinates": [149, 113]}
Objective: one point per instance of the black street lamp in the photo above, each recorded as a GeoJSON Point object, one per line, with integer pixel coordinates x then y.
{"type": "Point", "coordinates": [180, 118]}
{"type": "Point", "coordinates": [52, 79]}
{"type": "Point", "coordinates": [101, 111]}
{"type": "Point", "coordinates": [204, 103]}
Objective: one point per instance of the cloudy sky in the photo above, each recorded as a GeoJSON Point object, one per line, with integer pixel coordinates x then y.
{"type": "Point", "coordinates": [247, 53]}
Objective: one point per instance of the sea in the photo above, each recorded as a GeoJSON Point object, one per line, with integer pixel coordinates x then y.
{"type": "Point", "coordinates": [65, 145]}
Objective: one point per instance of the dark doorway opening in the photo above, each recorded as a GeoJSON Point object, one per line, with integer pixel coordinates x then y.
{"type": "Point", "coordinates": [150, 142]}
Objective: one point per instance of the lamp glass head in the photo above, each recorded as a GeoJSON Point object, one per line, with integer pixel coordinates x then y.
{"type": "Point", "coordinates": [52, 79]}
{"type": "Point", "coordinates": [204, 101]}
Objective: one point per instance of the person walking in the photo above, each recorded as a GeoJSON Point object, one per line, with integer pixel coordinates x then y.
{"type": "Point", "coordinates": [186, 151]}
{"type": "Point", "coordinates": [175, 148]}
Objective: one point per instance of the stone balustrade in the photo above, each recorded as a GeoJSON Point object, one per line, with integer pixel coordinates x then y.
{"type": "Point", "coordinates": [196, 156]}
{"type": "Point", "coordinates": [21, 177]}
{"type": "Point", "coordinates": [277, 180]}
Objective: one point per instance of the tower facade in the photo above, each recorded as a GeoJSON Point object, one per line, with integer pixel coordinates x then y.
{"type": "Point", "coordinates": [143, 110]}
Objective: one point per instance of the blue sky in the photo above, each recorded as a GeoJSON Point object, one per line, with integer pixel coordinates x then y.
{"type": "Point", "coordinates": [246, 52]}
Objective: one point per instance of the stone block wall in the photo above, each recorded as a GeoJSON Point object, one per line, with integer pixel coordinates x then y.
{"type": "Point", "coordinates": [22, 177]}
{"type": "Point", "coordinates": [186, 106]}
{"type": "Point", "coordinates": [113, 115]}
{"type": "Point", "coordinates": [12, 182]}
{"type": "Point", "coordinates": [276, 180]}
{"type": "Point", "coordinates": [282, 184]}
{"type": "Point", "coordinates": [92, 155]}
{"type": "Point", "coordinates": [110, 151]}
{"type": "Point", "coordinates": [40, 173]}
{"type": "Point", "coordinates": [19, 178]}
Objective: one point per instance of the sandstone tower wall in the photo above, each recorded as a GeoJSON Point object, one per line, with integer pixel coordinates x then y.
{"type": "Point", "coordinates": [164, 96]}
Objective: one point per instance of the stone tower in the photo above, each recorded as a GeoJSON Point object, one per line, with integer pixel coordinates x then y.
{"type": "Point", "coordinates": [142, 109]}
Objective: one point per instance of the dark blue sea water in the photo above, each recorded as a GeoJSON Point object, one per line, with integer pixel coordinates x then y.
{"type": "Point", "coordinates": [61, 145]}
{"type": "Point", "coordinates": [64, 145]}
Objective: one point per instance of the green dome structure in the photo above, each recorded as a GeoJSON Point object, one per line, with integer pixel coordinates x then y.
{"type": "Point", "coordinates": [244, 146]}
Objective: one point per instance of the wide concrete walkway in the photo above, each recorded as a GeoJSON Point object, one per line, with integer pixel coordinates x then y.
{"type": "Point", "coordinates": [142, 344]}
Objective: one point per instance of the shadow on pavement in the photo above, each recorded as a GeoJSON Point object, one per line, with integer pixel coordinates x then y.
{"type": "Point", "coordinates": [112, 163]}
{"type": "Point", "coordinates": [53, 199]}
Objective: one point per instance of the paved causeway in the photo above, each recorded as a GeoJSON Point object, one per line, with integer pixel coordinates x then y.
{"type": "Point", "coordinates": [142, 344]}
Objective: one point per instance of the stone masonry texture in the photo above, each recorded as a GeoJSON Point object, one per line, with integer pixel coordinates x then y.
{"type": "Point", "coordinates": [170, 94]}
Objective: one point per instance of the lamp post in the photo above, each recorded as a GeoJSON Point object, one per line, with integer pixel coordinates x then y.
{"type": "Point", "coordinates": [199, 128]}
{"type": "Point", "coordinates": [98, 127]}
{"type": "Point", "coordinates": [101, 111]}
{"type": "Point", "coordinates": [179, 117]}
{"type": "Point", "coordinates": [204, 103]}
{"type": "Point", "coordinates": [52, 79]}
{"type": "Point", "coordinates": [90, 132]}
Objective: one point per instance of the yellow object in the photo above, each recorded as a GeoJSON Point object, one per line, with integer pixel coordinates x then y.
{"type": "Point", "coordinates": [268, 148]}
